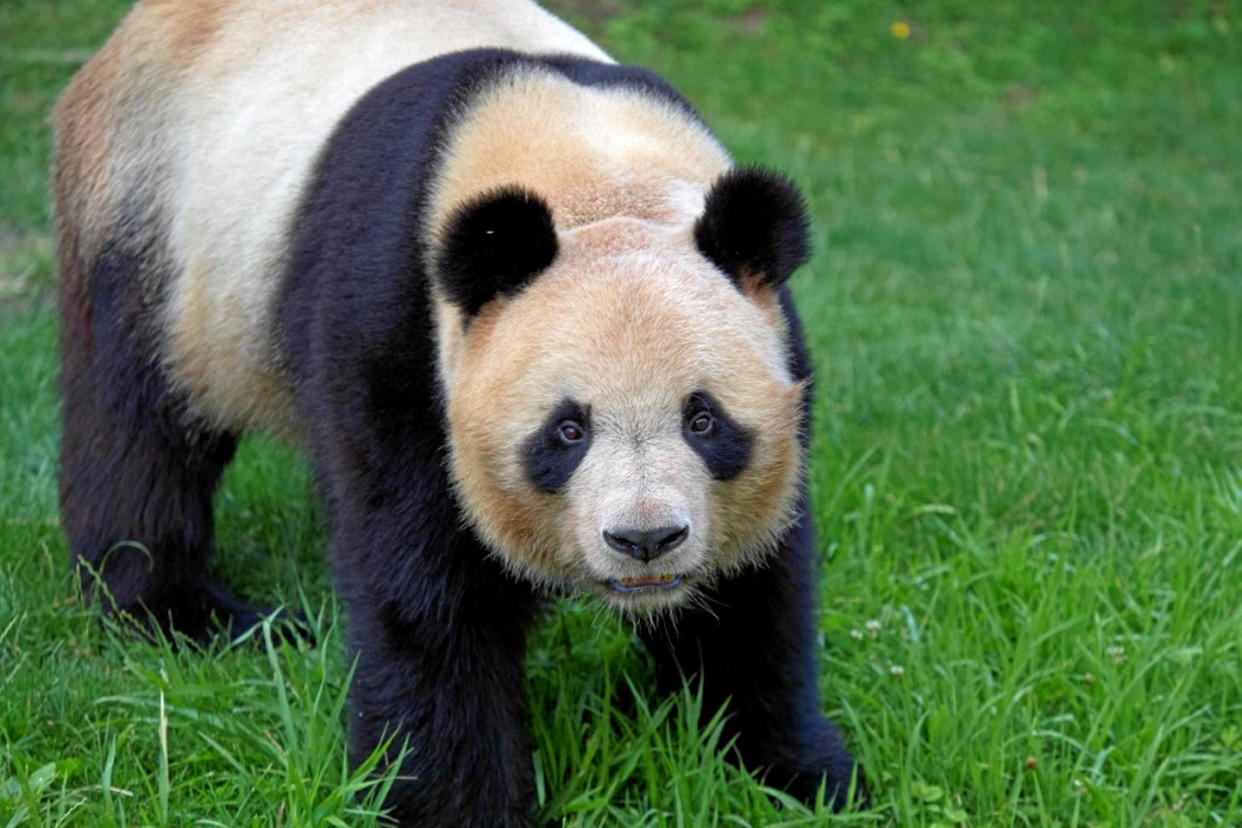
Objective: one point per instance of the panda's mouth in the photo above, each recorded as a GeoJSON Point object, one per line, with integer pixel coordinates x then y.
{"type": "Point", "coordinates": [645, 583]}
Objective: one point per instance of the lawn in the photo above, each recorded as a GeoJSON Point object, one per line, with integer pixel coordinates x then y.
{"type": "Point", "coordinates": [1026, 315]}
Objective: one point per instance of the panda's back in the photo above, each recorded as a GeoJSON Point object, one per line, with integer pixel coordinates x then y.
{"type": "Point", "coordinates": [198, 128]}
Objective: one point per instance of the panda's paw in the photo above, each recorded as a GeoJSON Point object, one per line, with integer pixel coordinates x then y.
{"type": "Point", "coordinates": [841, 791]}
{"type": "Point", "coordinates": [207, 613]}
{"type": "Point", "coordinates": [289, 627]}
{"type": "Point", "coordinates": [821, 766]}
{"type": "Point", "coordinates": [230, 618]}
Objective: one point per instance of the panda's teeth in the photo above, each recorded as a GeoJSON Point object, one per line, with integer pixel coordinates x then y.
{"type": "Point", "coordinates": [647, 582]}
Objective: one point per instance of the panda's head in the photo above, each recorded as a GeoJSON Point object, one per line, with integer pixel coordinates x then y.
{"type": "Point", "coordinates": [621, 414]}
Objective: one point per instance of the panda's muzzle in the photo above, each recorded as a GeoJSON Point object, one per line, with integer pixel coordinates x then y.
{"type": "Point", "coordinates": [648, 544]}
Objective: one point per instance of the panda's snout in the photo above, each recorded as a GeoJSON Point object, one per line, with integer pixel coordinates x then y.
{"type": "Point", "coordinates": [646, 544]}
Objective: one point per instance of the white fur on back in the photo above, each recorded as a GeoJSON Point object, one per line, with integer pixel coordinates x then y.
{"type": "Point", "coordinates": [254, 104]}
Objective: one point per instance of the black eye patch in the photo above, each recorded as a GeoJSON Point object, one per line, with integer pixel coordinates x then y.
{"type": "Point", "coordinates": [722, 443]}
{"type": "Point", "coordinates": [553, 452]}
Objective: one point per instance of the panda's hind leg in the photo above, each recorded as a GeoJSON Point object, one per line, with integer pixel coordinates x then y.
{"type": "Point", "coordinates": [137, 473]}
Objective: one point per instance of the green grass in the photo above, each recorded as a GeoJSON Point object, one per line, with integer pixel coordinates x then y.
{"type": "Point", "coordinates": [1026, 313]}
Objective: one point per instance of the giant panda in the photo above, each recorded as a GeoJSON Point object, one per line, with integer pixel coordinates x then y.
{"type": "Point", "coordinates": [525, 314]}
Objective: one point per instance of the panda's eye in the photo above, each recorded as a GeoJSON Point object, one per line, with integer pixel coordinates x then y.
{"type": "Point", "coordinates": [554, 449]}
{"type": "Point", "coordinates": [570, 432]}
{"type": "Point", "coordinates": [723, 443]}
{"type": "Point", "coordinates": [701, 423]}
{"type": "Point", "coordinates": [699, 418]}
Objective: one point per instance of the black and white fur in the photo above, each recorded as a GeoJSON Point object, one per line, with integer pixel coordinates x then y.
{"type": "Point", "coordinates": [421, 240]}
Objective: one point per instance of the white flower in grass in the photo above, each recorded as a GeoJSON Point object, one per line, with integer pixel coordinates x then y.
{"type": "Point", "coordinates": [896, 670]}
{"type": "Point", "coordinates": [873, 628]}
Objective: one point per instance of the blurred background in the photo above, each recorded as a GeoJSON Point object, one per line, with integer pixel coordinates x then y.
{"type": "Point", "coordinates": [1025, 311]}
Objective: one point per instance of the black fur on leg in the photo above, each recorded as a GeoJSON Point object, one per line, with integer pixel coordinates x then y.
{"type": "Point", "coordinates": [439, 668]}
{"type": "Point", "coordinates": [137, 474]}
{"type": "Point", "coordinates": [755, 654]}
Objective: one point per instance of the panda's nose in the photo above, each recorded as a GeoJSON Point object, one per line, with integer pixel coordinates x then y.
{"type": "Point", "coordinates": [646, 544]}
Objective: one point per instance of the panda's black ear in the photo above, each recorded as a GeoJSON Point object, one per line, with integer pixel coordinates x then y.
{"type": "Point", "coordinates": [494, 244]}
{"type": "Point", "coordinates": [754, 227]}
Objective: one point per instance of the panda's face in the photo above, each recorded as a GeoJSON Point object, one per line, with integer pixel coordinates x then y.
{"type": "Point", "coordinates": [625, 424]}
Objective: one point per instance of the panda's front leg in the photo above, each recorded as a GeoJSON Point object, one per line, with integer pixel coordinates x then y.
{"type": "Point", "coordinates": [755, 649]}
{"type": "Point", "coordinates": [439, 633]}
